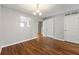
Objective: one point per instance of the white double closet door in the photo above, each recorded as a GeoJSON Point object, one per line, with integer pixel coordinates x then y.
{"type": "Point", "coordinates": [71, 28]}
{"type": "Point", "coordinates": [48, 28]}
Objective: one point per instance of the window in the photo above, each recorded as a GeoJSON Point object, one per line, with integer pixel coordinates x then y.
{"type": "Point", "coordinates": [24, 20]}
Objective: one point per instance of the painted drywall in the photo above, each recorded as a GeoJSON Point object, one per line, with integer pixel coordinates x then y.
{"type": "Point", "coordinates": [0, 25]}
{"type": "Point", "coordinates": [12, 27]}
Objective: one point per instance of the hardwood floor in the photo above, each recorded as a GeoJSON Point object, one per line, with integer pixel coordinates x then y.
{"type": "Point", "coordinates": [49, 46]}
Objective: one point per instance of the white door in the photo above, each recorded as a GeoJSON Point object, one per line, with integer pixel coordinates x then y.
{"type": "Point", "coordinates": [48, 27]}
{"type": "Point", "coordinates": [44, 28]}
{"type": "Point", "coordinates": [71, 28]}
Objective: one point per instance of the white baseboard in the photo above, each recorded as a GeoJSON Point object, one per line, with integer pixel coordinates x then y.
{"type": "Point", "coordinates": [76, 42]}
{"type": "Point", "coordinates": [50, 36]}
{"type": "Point", "coordinates": [59, 39]}
{"type": "Point", "coordinates": [17, 42]}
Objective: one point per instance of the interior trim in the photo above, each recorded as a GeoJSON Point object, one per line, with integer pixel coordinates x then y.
{"type": "Point", "coordinates": [17, 42]}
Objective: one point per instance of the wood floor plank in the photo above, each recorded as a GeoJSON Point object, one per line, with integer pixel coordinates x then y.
{"type": "Point", "coordinates": [49, 46]}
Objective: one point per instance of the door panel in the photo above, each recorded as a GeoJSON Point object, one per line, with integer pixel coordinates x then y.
{"type": "Point", "coordinates": [48, 27]}
{"type": "Point", "coordinates": [71, 28]}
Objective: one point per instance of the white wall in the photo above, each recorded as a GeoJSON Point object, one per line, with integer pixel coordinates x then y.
{"type": "Point", "coordinates": [11, 29]}
{"type": "Point", "coordinates": [0, 25]}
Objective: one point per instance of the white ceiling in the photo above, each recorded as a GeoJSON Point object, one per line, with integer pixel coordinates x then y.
{"type": "Point", "coordinates": [46, 9]}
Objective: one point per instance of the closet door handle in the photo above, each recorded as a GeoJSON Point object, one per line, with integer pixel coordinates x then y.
{"type": "Point", "coordinates": [65, 30]}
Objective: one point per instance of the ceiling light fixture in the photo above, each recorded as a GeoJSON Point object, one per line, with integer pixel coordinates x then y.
{"type": "Point", "coordinates": [37, 11]}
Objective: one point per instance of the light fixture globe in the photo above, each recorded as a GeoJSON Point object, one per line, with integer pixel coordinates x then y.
{"type": "Point", "coordinates": [40, 14]}
{"type": "Point", "coordinates": [34, 13]}
{"type": "Point", "coordinates": [37, 11]}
